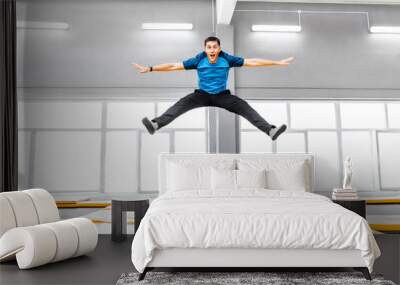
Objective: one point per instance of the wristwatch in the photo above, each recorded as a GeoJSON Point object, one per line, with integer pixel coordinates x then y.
{"type": "Point", "coordinates": [151, 68]}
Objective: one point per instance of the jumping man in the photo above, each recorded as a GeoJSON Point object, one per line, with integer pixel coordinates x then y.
{"type": "Point", "coordinates": [212, 68]}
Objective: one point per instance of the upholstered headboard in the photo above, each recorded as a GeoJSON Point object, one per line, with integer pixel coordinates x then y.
{"type": "Point", "coordinates": [164, 158]}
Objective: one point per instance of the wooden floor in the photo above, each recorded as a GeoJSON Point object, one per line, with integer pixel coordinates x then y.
{"type": "Point", "coordinates": [103, 266]}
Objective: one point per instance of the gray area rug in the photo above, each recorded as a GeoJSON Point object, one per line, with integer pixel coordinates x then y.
{"type": "Point", "coordinates": [269, 278]}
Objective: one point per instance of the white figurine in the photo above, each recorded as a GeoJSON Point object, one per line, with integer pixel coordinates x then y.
{"type": "Point", "coordinates": [348, 173]}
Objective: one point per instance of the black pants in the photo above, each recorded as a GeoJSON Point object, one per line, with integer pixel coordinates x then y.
{"type": "Point", "coordinates": [225, 100]}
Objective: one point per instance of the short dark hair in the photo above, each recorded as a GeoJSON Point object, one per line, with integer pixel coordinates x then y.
{"type": "Point", "coordinates": [212, 39]}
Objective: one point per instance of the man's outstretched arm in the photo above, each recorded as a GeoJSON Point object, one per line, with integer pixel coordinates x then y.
{"type": "Point", "coordinates": [159, 67]}
{"type": "Point", "coordinates": [253, 62]}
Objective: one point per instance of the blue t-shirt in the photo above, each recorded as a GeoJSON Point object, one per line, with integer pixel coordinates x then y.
{"type": "Point", "coordinates": [213, 77]}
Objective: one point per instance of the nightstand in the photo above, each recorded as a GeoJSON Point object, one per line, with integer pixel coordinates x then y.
{"type": "Point", "coordinates": [119, 207]}
{"type": "Point", "coordinates": [357, 206]}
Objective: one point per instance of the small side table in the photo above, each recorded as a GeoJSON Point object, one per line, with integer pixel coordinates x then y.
{"type": "Point", "coordinates": [118, 215]}
{"type": "Point", "coordinates": [357, 206]}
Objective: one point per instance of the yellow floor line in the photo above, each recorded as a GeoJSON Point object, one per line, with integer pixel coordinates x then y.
{"type": "Point", "coordinates": [385, 227]}
{"type": "Point", "coordinates": [95, 221]}
{"type": "Point", "coordinates": [81, 205]}
{"type": "Point", "coordinates": [383, 201]}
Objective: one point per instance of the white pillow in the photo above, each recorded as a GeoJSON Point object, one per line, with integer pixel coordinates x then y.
{"type": "Point", "coordinates": [228, 179]}
{"type": "Point", "coordinates": [251, 178]}
{"type": "Point", "coordinates": [282, 174]}
{"type": "Point", "coordinates": [290, 178]}
{"type": "Point", "coordinates": [223, 179]}
{"type": "Point", "coordinates": [188, 177]}
{"type": "Point", "coordinates": [193, 173]}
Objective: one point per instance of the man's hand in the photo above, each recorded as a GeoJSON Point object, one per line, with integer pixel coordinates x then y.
{"type": "Point", "coordinates": [285, 61]}
{"type": "Point", "coordinates": [142, 69]}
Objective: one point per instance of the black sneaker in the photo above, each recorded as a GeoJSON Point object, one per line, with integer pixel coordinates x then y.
{"type": "Point", "coordinates": [275, 132]}
{"type": "Point", "coordinates": [149, 125]}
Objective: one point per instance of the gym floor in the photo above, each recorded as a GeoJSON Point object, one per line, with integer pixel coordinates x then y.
{"type": "Point", "coordinates": [110, 259]}
{"type": "Point", "coordinates": [102, 266]}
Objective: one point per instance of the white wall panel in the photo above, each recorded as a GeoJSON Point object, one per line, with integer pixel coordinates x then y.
{"type": "Point", "coordinates": [389, 152]}
{"type": "Point", "coordinates": [313, 115]}
{"type": "Point", "coordinates": [256, 141]}
{"type": "Point", "coordinates": [121, 164]}
{"type": "Point", "coordinates": [394, 115]}
{"type": "Point", "coordinates": [190, 141]}
{"type": "Point", "coordinates": [64, 114]}
{"type": "Point", "coordinates": [291, 142]}
{"type": "Point", "coordinates": [67, 161]}
{"type": "Point", "coordinates": [128, 114]}
{"type": "Point", "coordinates": [273, 113]}
{"type": "Point", "coordinates": [21, 113]}
{"type": "Point", "coordinates": [151, 146]}
{"type": "Point", "coordinates": [324, 146]}
{"type": "Point", "coordinates": [195, 118]}
{"type": "Point", "coordinates": [358, 145]}
{"type": "Point", "coordinates": [24, 144]}
{"type": "Point", "coordinates": [363, 115]}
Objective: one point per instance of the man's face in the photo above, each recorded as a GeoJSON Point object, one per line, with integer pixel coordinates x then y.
{"type": "Point", "coordinates": [212, 50]}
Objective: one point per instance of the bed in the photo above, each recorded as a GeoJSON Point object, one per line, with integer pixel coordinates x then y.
{"type": "Point", "coordinates": [245, 211]}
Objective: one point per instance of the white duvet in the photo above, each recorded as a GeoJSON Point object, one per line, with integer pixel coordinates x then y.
{"type": "Point", "coordinates": [252, 218]}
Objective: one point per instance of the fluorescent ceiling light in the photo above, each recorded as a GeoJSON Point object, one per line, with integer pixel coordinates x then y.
{"type": "Point", "coordinates": [385, 29]}
{"type": "Point", "coordinates": [42, 25]}
{"type": "Point", "coordinates": [167, 26]}
{"type": "Point", "coordinates": [276, 28]}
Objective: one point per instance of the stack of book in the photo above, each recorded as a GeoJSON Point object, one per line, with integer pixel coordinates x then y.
{"type": "Point", "coordinates": [344, 194]}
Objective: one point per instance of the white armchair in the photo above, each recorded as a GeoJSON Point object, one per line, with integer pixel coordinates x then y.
{"type": "Point", "coordinates": [31, 230]}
